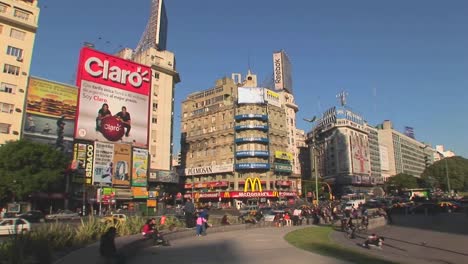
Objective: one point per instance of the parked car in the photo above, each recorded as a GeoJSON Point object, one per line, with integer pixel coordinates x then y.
{"type": "Point", "coordinates": [450, 206]}
{"type": "Point", "coordinates": [114, 218]}
{"type": "Point", "coordinates": [33, 216]}
{"type": "Point", "coordinates": [63, 215]}
{"type": "Point", "coordinates": [12, 226]}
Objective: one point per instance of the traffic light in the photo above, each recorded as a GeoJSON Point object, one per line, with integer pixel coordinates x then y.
{"type": "Point", "coordinates": [60, 131]}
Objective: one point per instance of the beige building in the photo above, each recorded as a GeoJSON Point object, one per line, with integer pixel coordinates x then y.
{"type": "Point", "coordinates": [226, 143]}
{"type": "Point", "coordinates": [402, 154]}
{"type": "Point", "coordinates": [18, 26]}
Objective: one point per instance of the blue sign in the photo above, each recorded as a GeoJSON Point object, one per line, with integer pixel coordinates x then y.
{"type": "Point", "coordinates": [246, 166]}
{"type": "Point", "coordinates": [254, 153]}
{"type": "Point", "coordinates": [252, 139]}
{"type": "Point", "coordinates": [260, 127]}
{"type": "Point", "coordinates": [251, 116]}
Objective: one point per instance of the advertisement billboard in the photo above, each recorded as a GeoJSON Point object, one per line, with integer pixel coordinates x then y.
{"type": "Point", "coordinates": [140, 167]}
{"type": "Point", "coordinates": [103, 163]}
{"type": "Point", "coordinates": [46, 103]}
{"type": "Point", "coordinates": [113, 102]}
{"type": "Point", "coordinates": [359, 154]}
{"type": "Point", "coordinates": [121, 164]}
{"type": "Point", "coordinates": [83, 159]}
{"type": "Point", "coordinates": [250, 95]}
{"type": "Point", "coordinates": [283, 155]}
{"type": "Point", "coordinates": [282, 76]}
{"type": "Point", "coordinates": [164, 176]}
{"type": "Point", "coordinates": [272, 98]}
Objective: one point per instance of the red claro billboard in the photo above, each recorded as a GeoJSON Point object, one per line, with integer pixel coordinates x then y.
{"type": "Point", "coordinates": [113, 98]}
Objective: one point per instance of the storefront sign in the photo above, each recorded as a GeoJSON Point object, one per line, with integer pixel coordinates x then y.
{"type": "Point", "coordinates": [283, 167]}
{"type": "Point", "coordinates": [208, 169]}
{"type": "Point", "coordinates": [241, 166]}
{"type": "Point", "coordinates": [235, 194]}
{"type": "Point", "coordinates": [283, 155]}
{"type": "Point", "coordinates": [255, 184]}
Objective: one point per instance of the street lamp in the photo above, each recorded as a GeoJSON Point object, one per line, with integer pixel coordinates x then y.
{"type": "Point", "coordinates": [314, 156]}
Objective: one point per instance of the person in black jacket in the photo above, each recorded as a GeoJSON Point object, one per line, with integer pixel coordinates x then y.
{"type": "Point", "coordinates": [107, 247]}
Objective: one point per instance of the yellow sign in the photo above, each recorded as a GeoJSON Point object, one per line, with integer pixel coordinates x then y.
{"type": "Point", "coordinates": [275, 194]}
{"type": "Point", "coordinates": [151, 203]}
{"type": "Point", "coordinates": [253, 183]}
{"type": "Point", "coordinates": [52, 99]}
{"type": "Point", "coordinates": [283, 155]}
{"type": "Point", "coordinates": [227, 195]}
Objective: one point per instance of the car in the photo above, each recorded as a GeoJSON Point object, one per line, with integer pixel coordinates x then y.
{"type": "Point", "coordinates": [63, 215]}
{"type": "Point", "coordinates": [12, 226]}
{"type": "Point", "coordinates": [450, 206]}
{"type": "Point", "coordinates": [248, 209]}
{"type": "Point", "coordinates": [114, 218]}
{"type": "Point", "coordinates": [33, 216]}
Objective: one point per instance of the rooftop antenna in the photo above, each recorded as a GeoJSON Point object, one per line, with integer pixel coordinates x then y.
{"type": "Point", "coordinates": [342, 97]}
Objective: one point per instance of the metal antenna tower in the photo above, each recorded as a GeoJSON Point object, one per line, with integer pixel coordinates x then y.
{"type": "Point", "coordinates": [150, 37]}
{"type": "Point", "coordinates": [342, 97]}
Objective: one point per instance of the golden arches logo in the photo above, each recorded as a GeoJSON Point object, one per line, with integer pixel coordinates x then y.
{"type": "Point", "coordinates": [275, 194]}
{"type": "Point", "coordinates": [253, 183]}
{"type": "Point", "coordinates": [227, 195]}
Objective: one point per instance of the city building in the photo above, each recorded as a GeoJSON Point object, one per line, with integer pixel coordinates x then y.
{"type": "Point", "coordinates": [400, 153]}
{"type": "Point", "coordinates": [18, 26]}
{"type": "Point", "coordinates": [441, 153]}
{"type": "Point", "coordinates": [344, 150]}
{"type": "Point", "coordinates": [234, 144]}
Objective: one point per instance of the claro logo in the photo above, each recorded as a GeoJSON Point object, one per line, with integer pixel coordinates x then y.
{"type": "Point", "coordinates": [253, 183]}
{"type": "Point", "coordinates": [102, 69]}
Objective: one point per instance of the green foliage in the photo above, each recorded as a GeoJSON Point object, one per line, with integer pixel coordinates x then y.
{"type": "Point", "coordinates": [27, 166]}
{"type": "Point", "coordinates": [39, 245]}
{"type": "Point", "coordinates": [457, 170]}
{"type": "Point", "coordinates": [401, 181]}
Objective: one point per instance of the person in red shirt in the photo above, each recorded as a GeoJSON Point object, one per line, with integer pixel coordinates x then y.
{"type": "Point", "coordinates": [150, 231]}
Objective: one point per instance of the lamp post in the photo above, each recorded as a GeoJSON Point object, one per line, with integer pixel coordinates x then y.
{"type": "Point", "coordinates": [314, 157]}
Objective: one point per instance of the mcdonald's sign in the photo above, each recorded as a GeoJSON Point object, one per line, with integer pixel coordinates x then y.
{"type": "Point", "coordinates": [253, 183]}
{"type": "Point", "coordinates": [227, 195]}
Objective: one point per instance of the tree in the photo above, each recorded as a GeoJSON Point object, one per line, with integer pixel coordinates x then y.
{"type": "Point", "coordinates": [27, 167]}
{"type": "Point", "coordinates": [401, 181]}
{"type": "Point", "coordinates": [455, 167]}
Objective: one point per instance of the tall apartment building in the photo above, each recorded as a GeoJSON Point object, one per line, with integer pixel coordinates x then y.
{"type": "Point", "coordinates": [374, 151]}
{"type": "Point", "coordinates": [345, 150]}
{"type": "Point", "coordinates": [233, 145]}
{"type": "Point", "coordinates": [402, 154]}
{"type": "Point", "coordinates": [18, 26]}
{"type": "Point", "coordinates": [151, 51]}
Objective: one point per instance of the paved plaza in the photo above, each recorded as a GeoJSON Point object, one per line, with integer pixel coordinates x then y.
{"type": "Point", "coordinates": [257, 245]}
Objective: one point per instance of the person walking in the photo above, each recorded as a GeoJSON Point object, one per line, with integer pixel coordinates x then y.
{"type": "Point", "coordinates": [189, 210]}
{"type": "Point", "coordinates": [200, 223]}
{"type": "Point", "coordinates": [107, 247]}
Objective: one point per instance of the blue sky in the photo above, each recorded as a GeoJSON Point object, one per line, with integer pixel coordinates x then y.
{"type": "Point", "coordinates": [406, 61]}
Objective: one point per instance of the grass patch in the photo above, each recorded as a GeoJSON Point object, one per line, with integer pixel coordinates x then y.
{"type": "Point", "coordinates": [316, 239]}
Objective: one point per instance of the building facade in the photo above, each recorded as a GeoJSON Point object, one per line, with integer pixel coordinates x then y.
{"type": "Point", "coordinates": [234, 145]}
{"type": "Point", "coordinates": [18, 26]}
{"type": "Point", "coordinates": [341, 151]}
{"type": "Point", "coordinates": [401, 153]}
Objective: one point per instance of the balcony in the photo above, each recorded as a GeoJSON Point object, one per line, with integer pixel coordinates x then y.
{"type": "Point", "coordinates": [252, 139]}
{"type": "Point", "coordinates": [19, 17]}
{"type": "Point", "coordinates": [252, 153]}
{"type": "Point", "coordinates": [251, 116]}
{"type": "Point", "coordinates": [253, 127]}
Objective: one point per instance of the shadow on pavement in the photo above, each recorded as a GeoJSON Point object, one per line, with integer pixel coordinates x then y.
{"type": "Point", "coordinates": [198, 251]}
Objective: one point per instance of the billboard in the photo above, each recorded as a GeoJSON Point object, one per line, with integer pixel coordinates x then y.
{"type": "Point", "coordinates": [282, 72]}
{"type": "Point", "coordinates": [140, 167]}
{"type": "Point", "coordinates": [164, 176]}
{"type": "Point", "coordinates": [283, 155]}
{"type": "Point", "coordinates": [103, 163]}
{"type": "Point", "coordinates": [359, 154]}
{"type": "Point", "coordinates": [113, 102]}
{"type": "Point", "coordinates": [272, 98]}
{"type": "Point", "coordinates": [121, 164]}
{"type": "Point", "coordinates": [250, 95]}
{"type": "Point", "coordinates": [46, 102]}
{"type": "Point", "coordinates": [83, 159]}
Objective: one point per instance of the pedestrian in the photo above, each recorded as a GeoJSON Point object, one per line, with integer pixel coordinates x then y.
{"type": "Point", "coordinates": [200, 223]}
{"type": "Point", "coordinates": [107, 247]}
{"type": "Point", "coordinates": [189, 210]}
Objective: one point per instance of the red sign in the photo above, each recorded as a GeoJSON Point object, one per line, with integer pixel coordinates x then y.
{"type": "Point", "coordinates": [113, 99]}
{"type": "Point", "coordinates": [234, 194]}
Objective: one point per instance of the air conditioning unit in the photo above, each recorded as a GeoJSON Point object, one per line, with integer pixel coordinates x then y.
{"type": "Point", "coordinates": [19, 58]}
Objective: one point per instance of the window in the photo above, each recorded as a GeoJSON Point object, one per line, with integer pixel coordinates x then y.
{"type": "Point", "coordinates": [156, 75]}
{"type": "Point", "coordinates": [3, 8]}
{"type": "Point", "coordinates": [17, 52]}
{"type": "Point", "coordinates": [6, 108]}
{"type": "Point", "coordinates": [21, 14]}
{"type": "Point", "coordinates": [7, 88]}
{"type": "Point", "coordinates": [5, 128]}
{"type": "Point", "coordinates": [155, 106]}
{"type": "Point", "coordinates": [154, 120]}
{"type": "Point", "coordinates": [10, 69]}
{"type": "Point", "coordinates": [17, 34]}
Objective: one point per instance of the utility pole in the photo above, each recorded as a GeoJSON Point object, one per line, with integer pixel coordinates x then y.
{"type": "Point", "coordinates": [446, 175]}
{"type": "Point", "coordinates": [314, 155]}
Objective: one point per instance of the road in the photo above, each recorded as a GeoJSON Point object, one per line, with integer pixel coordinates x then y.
{"type": "Point", "coordinates": [418, 239]}
{"type": "Point", "coordinates": [259, 245]}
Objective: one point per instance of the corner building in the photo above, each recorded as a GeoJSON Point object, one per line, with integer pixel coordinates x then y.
{"type": "Point", "coordinates": [234, 152]}
{"type": "Point", "coordinates": [18, 26]}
